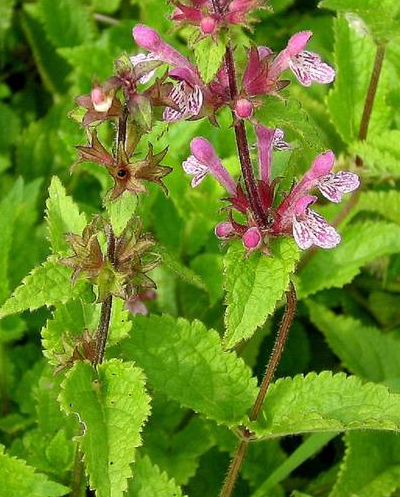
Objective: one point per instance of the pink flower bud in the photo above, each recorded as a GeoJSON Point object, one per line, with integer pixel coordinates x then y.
{"type": "Point", "coordinates": [298, 42]}
{"type": "Point", "coordinates": [252, 238]}
{"type": "Point", "coordinates": [224, 230]}
{"type": "Point", "coordinates": [101, 101]}
{"type": "Point", "coordinates": [244, 108]}
{"type": "Point", "coordinates": [208, 25]}
{"type": "Point", "coordinates": [146, 37]}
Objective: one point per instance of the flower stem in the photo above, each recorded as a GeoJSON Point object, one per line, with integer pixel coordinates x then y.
{"type": "Point", "coordinates": [279, 345]}
{"type": "Point", "coordinates": [243, 145]}
{"type": "Point", "coordinates": [241, 135]}
{"type": "Point", "coordinates": [106, 307]}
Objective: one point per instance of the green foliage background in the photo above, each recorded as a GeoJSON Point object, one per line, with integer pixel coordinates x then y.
{"type": "Point", "coordinates": [348, 317]}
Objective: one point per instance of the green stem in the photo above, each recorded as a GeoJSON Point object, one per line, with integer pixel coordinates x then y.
{"type": "Point", "coordinates": [280, 341]}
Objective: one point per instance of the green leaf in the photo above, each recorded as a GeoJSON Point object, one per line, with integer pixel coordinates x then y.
{"type": "Point", "coordinates": [364, 350]}
{"type": "Point", "coordinates": [371, 466]}
{"type": "Point", "coordinates": [112, 406]}
{"type": "Point", "coordinates": [48, 284]}
{"type": "Point", "coordinates": [6, 11]}
{"type": "Point", "coordinates": [209, 55]}
{"type": "Point", "coordinates": [354, 57]}
{"type": "Point", "coordinates": [106, 6]}
{"type": "Point", "coordinates": [385, 203]}
{"type": "Point", "coordinates": [254, 285]}
{"type": "Point", "coordinates": [20, 480]}
{"type": "Point", "coordinates": [9, 207]}
{"type": "Point", "coordinates": [175, 266]}
{"type": "Point", "coordinates": [52, 68]}
{"type": "Point", "coordinates": [186, 362]}
{"type": "Point", "coordinates": [380, 154]}
{"type": "Point", "coordinates": [326, 402]}
{"type": "Point", "coordinates": [309, 448]}
{"type": "Point", "coordinates": [361, 243]}
{"type": "Point", "coordinates": [210, 268]}
{"type": "Point", "coordinates": [380, 18]}
{"type": "Point", "coordinates": [67, 22]}
{"type": "Point", "coordinates": [62, 215]}
{"type": "Point", "coordinates": [71, 319]}
{"type": "Point", "coordinates": [121, 211]}
{"type": "Point", "coordinates": [149, 481]}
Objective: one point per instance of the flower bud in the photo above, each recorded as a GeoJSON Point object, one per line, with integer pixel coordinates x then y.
{"type": "Point", "coordinates": [208, 25]}
{"type": "Point", "coordinates": [244, 108]}
{"type": "Point", "coordinates": [224, 230]}
{"type": "Point", "coordinates": [146, 37]}
{"type": "Point", "coordinates": [101, 101]}
{"type": "Point", "coordinates": [252, 238]}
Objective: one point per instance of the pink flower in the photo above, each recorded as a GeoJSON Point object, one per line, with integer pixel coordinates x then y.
{"type": "Point", "coordinates": [310, 228]}
{"type": "Point", "coordinates": [205, 160]}
{"type": "Point", "coordinates": [267, 139]}
{"type": "Point", "coordinates": [252, 239]}
{"type": "Point", "coordinates": [306, 66]}
{"type": "Point", "coordinates": [188, 100]}
{"type": "Point", "coordinates": [224, 230]}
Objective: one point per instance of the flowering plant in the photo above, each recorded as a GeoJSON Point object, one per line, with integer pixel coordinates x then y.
{"type": "Point", "coordinates": [159, 293]}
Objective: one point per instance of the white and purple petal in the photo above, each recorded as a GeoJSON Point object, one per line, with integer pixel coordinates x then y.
{"type": "Point", "coordinates": [308, 68]}
{"type": "Point", "coordinates": [195, 168]}
{"type": "Point", "coordinates": [188, 100]}
{"type": "Point", "coordinates": [312, 229]}
{"type": "Point", "coordinates": [138, 59]}
{"type": "Point", "coordinates": [333, 186]}
{"type": "Point", "coordinates": [278, 141]}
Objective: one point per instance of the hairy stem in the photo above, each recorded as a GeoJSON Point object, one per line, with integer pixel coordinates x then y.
{"type": "Point", "coordinates": [106, 307]}
{"type": "Point", "coordinates": [243, 145]}
{"type": "Point", "coordinates": [279, 345]}
{"type": "Point", "coordinates": [241, 136]}
{"type": "Point", "coordinates": [77, 474]}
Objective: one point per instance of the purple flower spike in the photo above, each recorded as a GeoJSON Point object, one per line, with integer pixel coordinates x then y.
{"type": "Point", "coordinates": [205, 160]}
{"type": "Point", "coordinates": [149, 39]}
{"type": "Point", "coordinates": [333, 186]}
{"type": "Point", "coordinates": [310, 228]}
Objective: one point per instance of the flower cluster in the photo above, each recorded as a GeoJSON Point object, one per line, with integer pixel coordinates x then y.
{"type": "Point", "coordinates": [291, 215]}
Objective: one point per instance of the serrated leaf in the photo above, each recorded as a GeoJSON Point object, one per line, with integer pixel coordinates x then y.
{"type": "Point", "coordinates": [380, 154]}
{"type": "Point", "coordinates": [67, 22]}
{"type": "Point", "coordinates": [20, 480]}
{"type": "Point", "coordinates": [112, 406]}
{"type": "Point", "coordinates": [361, 243]}
{"type": "Point", "coordinates": [254, 285]}
{"type": "Point", "coordinates": [47, 284]}
{"type": "Point", "coordinates": [354, 57]}
{"type": "Point", "coordinates": [6, 11]}
{"type": "Point", "coordinates": [209, 56]}
{"type": "Point", "coordinates": [183, 272]}
{"type": "Point", "coordinates": [371, 466]}
{"type": "Point", "coordinates": [121, 211]}
{"type": "Point", "coordinates": [71, 319]}
{"type": "Point", "coordinates": [326, 402]}
{"type": "Point", "coordinates": [62, 215]}
{"type": "Point", "coordinates": [380, 18]}
{"type": "Point", "coordinates": [385, 203]}
{"type": "Point", "coordinates": [149, 481]}
{"type": "Point", "coordinates": [8, 215]}
{"type": "Point", "coordinates": [210, 268]}
{"type": "Point", "coordinates": [52, 68]}
{"type": "Point", "coordinates": [186, 362]}
{"type": "Point", "coordinates": [364, 350]}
